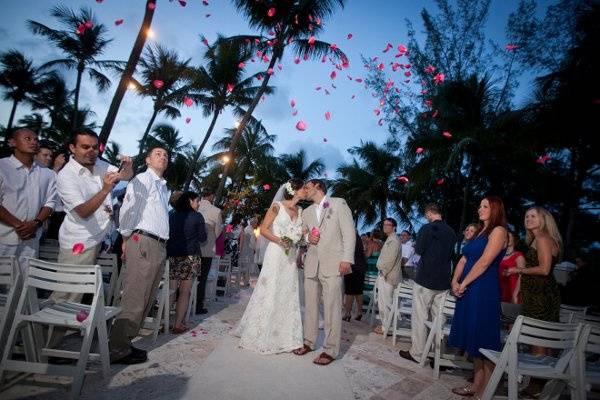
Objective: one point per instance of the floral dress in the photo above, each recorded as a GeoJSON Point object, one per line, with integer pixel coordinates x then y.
{"type": "Point", "coordinates": [541, 293]}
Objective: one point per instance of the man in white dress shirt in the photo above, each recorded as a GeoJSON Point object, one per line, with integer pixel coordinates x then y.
{"type": "Point", "coordinates": [144, 224]}
{"type": "Point", "coordinates": [408, 256]}
{"type": "Point", "coordinates": [84, 186]}
{"type": "Point", "coordinates": [214, 225]}
{"type": "Point", "coordinates": [27, 196]}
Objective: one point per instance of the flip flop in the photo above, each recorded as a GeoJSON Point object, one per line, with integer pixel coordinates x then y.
{"type": "Point", "coordinates": [465, 391]}
{"type": "Point", "coordinates": [323, 356]}
{"type": "Point", "coordinates": [302, 350]}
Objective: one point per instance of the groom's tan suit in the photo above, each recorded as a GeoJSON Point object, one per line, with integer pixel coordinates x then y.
{"type": "Point", "coordinates": [321, 270]}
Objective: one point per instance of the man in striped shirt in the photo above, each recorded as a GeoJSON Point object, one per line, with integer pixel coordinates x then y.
{"type": "Point", "coordinates": [144, 224]}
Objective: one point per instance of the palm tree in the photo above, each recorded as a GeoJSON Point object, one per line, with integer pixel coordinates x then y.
{"type": "Point", "coordinates": [294, 24]}
{"type": "Point", "coordinates": [35, 122]}
{"type": "Point", "coordinates": [369, 182]}
{"type": "Point", "coordinates": [134, 57]}
{"type": "Point", "coordinates": [162, 65]}
{"type": "Point", "coordinates": [111, 153]}
{"type": "Point", "coordinates": [297, 166]}
{"type": "Point", "coordinates": [52, 97]}
{"type": "Point", "coordinates": [167, 137]}
{"type": "Point", "coordinates": [19, 78]}
{"type": "Point", "coordinates": [81, 44]}
{"type": "Point", "coordinates": [221, 84]}
{"type": "Point", "coordinates": [255, 145]}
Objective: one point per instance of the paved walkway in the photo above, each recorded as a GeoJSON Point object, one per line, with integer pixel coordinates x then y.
{"type": "Point", "coordinates": [206, 364]}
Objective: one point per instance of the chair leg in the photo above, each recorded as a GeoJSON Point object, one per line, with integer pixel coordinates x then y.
{"type": "Point", "coordinates": [437, 356]}
{"type": "Point", "coordinates": [10, 343]}
{"type": "Point", "coordinates": [79, 374]}
{"type": "Point", "coordinates": [103, 348]}
{"type": "Point", "coordinates": [553, 389]}
{"type": "Point", "coordinates": [427, 348]}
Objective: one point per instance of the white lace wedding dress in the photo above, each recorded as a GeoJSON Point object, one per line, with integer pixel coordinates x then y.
{"type": "Point", "coordinates": [272, 322]}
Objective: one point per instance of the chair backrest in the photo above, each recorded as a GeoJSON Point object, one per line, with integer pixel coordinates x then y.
{"type": "Point", "coordinates": [8, 271]}
{"type": "Point", "coordinates": [48, 252]}
{"type": "Point", "coordinates": [589, 319]}
{"type": "Point", "coordinates": [108, 264]}
{"type": "Point", "coordinates": [592, 341]}
{"type": "Point", "coordinates": [63, 277]}
{"type": "Point", "coordinates": [567, 311]}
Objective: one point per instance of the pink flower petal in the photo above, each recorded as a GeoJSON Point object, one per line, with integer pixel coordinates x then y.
{"type": "Point", "coordinates": [78, 248]}
{"type": "Point", "coordinates": [81, 316]}
{"type": "Point", "coordinates": [349, 36]}
{"type": "Point", "coordinates": [325, 139]}
{"type": "Point", "coordinates": [188, 101]}
{"type": "Point", "coordinates": [135, 237]}
{"type": "Point", "coordinates": [301, 126]}
{"type": "Point", "coordinates": [440, 181]}
{"type": "Point", "coordinates": [315, 231]}
{"type": "Point", "coordinates": [380, 122]}
{"type": "Point", "coordinates": [270, 71]}
{"type": "Point", "coordinates": [271, 12]}
{"type": "Point", "coordinates": [542, 159]}
{"type": "Point", "coordinates": [447, 134]}
{"type": "Point", "coordinates": [294, 113]}
{"type": "Point", "coordinates": [183, 3]}
{"type": "Point", "coordinates": [333, 75]}
{"type": "Point", "coordinates": [327, 115]}
{"type": "Point", "coordinates": [296, 60]}
{"type": "Point", "coordinates": [188, 120]}
{"type": "Point", "coordinates": [101, 147]}
{"type": "Point", "coordinates": [377, 111]}
{"type": "Point", "coordinates": [402, 179]}
{"type": "Point", "coordinates": [151, 6]}
{"type": "Point", "coordinates": [205, 2]}
{"type": "Point", "coordinates": [420, 150]}
{"type": "Point", "coordinates": [158, 84]}
{"type": "Point", "coordinates": [230, 87]}
{"type": "Point", "coordinates": [387, 48]}
{"type": "Point", "coordinates": [439, 78]}
{"type": "Point", "coordinates": [266, 186]}
{"type": "Point", "coordinates": [311, 41]}
{"type": "Point", "coordinates": [241, 65]}
{"type": "Point", "coordinates": [293, 103]}
{"type": "Point", "coordinates": [119, 22]}
{"type": "Point", "coordinates": [430, 69]}
{"type": "Point", "coordinates": [511, 47]}
{"type": "Point", "coordinates": [279, 66]}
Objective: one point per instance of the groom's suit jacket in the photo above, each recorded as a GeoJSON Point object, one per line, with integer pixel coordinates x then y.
{"type": "Point", "coordinates": [337, 238]}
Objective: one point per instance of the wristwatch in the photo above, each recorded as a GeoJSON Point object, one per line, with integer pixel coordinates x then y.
{"type": "Point", "coordinates": [38, 222]}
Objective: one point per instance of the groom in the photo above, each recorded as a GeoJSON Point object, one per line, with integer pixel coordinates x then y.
{"type": "Point", "coordinates": [331, 238]}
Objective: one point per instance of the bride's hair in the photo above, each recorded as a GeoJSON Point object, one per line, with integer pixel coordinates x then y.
{"type": "Point", "coordinates": [295, 184]}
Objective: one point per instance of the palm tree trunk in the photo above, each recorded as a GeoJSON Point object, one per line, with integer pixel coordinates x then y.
{"type": "Point", "coordinates": [145, 136]}
{"type": "Point", "coordinates": [12, 116]}
{"type": "Point", "coordinates": [80, 68]}
{"type": "Point", "coordinates": [190, 172]}
{"type": "Point", "coordinates": [238, 133]}
{"type": "Point", "coordinates": [134, 57]}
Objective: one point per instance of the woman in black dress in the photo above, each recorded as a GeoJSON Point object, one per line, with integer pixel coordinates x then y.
{"type": "Point", "coordinates": [353, 282]}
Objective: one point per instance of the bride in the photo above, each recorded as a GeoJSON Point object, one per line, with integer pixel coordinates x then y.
{"type": "Point", "coordinates": [272, 322]}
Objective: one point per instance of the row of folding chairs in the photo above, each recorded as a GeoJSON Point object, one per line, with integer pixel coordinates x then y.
{"type": "Point", "coordinates": [24, 315]}
{"type": "Point", "coordinates": [575, 366]}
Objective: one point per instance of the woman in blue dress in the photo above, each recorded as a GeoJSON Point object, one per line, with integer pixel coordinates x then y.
{"type": "Point", "coordinates": [476, 321]}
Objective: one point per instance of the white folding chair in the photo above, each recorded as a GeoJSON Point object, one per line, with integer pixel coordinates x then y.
{"type": "Point", "coordinates": [48, 252]}
{"type": "Point", "coordinates": [371, 305]}
{"type": "Point", "coordinates": [11, 283]}
{"type": "Point", "coordinates": [29, 312]}
{"type": "Point", "coordinates": [224, 275]}
{"type": "Point", "coordinates": [401, 311]}
{"type": "Point", "coordinates": [211, 282]}
{"type": "Point", "coordinates": [193, 299]}
{"type": "Point", "coordinates": [439, 330]}
{"type": "Point", "coordinates": [110, 273]}
{"type": "Point", "coordinates": [588, 370]}
{"type": "Point", "coordinates": [567, 311]}
{"type": "Point", "coordinates": [559, 370]}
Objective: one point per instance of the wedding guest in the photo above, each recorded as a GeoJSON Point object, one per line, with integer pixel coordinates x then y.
{"type": "Point", "coordinates": [214, 226]}
{"type": "Point", "coordinates": [84, 186]}
{"type": "Point", "coordinates": [476, 321]}
{"type": "Point", "coordinates": [175, 195]}
{"type": "Point", "coordinates": [372, 251]}
{"type": "Point", "coordinates": [435, 244]}
{"type": "Point", "coordinates": [27, 196]}
{"type": "Point", "coordinates": [390, 272]}
{"type": "Point", "coordinates": [44, 154]}
{"type": "Point", "coordinates": [509, 281]}
{"type": "Point", "coordinates": [144, 224]}
{"type": "Point", "coordinates": [44, 157]}
{"type": "Point", "coordinates": [186, 233]}
{"type": "Point", "coordinates": [469, 233]}
{"type": "Point", "coordinates": [261, 248]}
{"type": "Point", "coordinates": [247, 246]}
{"type": "Point", "coordinates": [353, 283]}
{"type": "Point", "coordinates": [408, 256]}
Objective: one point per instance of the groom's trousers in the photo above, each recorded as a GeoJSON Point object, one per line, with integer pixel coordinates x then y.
{"type": "Point", "coordinates": [330, 288]}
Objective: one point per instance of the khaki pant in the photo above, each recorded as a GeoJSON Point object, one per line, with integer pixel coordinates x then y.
{"type": "Point", "coordinates": [385, 299]}
{"type": "Point", "coordinates": [143, 269]}
{"type": "Point", "coordinates": [331, 289]}
{"type": "Point", "coordinates": [424, 302]}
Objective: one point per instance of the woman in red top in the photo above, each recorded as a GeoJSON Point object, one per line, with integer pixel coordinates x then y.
{"type": "Point", "coordinates": [509, 284]}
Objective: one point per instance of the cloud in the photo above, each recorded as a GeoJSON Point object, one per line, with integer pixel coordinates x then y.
{"type": "Point", "coordinates": [276, 106]}
{"type": "Point", "coordinates": [331, 156]}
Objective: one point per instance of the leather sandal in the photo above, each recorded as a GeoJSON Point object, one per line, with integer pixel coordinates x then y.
{"type": "Point", "coordinates": [323, 356]}
{"type": "Point", "coordinates": [465, 391]}
{"type": "Point", "coordinates": [302, 350]}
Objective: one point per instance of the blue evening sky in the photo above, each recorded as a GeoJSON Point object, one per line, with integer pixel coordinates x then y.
{"type": "Point", "coordinates": [373, 24]}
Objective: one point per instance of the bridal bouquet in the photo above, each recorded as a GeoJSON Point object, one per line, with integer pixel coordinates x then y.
{"type": "Point", "coordinates": [292, 238]}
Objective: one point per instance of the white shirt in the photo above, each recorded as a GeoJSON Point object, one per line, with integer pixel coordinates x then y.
{"type": "Point", "coordinates": [146, 205]}
{"type": "Point", "coordinates": [320, 208]}
{"type": "Point", "coordinates": [23, 192]}
{"type": "Point", "coordinates": [76, 185]}
{"type": "Point", "coordinates": [408, 252]}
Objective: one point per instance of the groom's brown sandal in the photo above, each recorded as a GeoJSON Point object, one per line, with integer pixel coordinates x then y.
{"type": "Point", "coordinates": [302, 350]}
{"type": "Point", "coordinates": [323, 359]}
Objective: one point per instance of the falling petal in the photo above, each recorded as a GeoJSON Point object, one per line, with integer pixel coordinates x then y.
{"type": "Point", "coordinates": [293, 103]}
{"type": "Point", "coordinates": [333, 46]}
{"type": "Point", "coordinates": [318, 88]}
{"type": "Point", "coordinates": [407, 74]}
{"type": "Point", "coordinates": [241, 65]}
{"type": "Point", "coordinates": [151, 6]}
{"type": "Point", "coordinates": [447, 134]}
{"type": "Point", "coordinates": [325, 139]}
{"type": "Point", "coordinates": [430, 69]}
{"type": "Point", "coordinates": [377, 111]}
{"type": "Point", "coordinates": [402, 49]}
{"type": "Point", "coordinates": [296, 60]}
{"type": "Point", "coordinates": [271, 12]}
{"type": "Point", "coordinates": [439, 78]}
{"type": "Point", "coordinates": [119, 22]}
{"type": "Point", "coordinates": [188, 120]}
{"type": "Point", "coordinates": [205, 2]}
{"type": "Point", "coordinates": [440, 181]}
{"type": "Point", "coordinates": [205, 41]}
{"type": "Point", "coordinates": [78, 248]}
{"type": "Point", "coordinates": [270, 71]}
{"type": "Point", "coordinates": [81, 316]}
{"type": "Point", "coordinates": [89, 24]}
{"type": "Point", "coordinates": [333, 75]}
{"type": "Point", "coordinates": [349, 36]}
{"type": "Point", "coordinates": [135, 237]}
{"type": "Point", "coordinates": [387, 48]}
{"type": "Point", "coordinates": [511, 47]}
{"type": "Point", "coordinates": [353, 97]}
{"type": "Point", "coordinates": [358, 80]}
{"type": "Point", "coordinates": [380, 122]}
{"type": "Point", "coordinates": [188, 101]}
{"type": "Point", "coordinates": [328, 116]}
{"type": "Point", "coordinates": [294, 113]}
{"type": "Point", "coordinates": [301, 126]}
{"type": "Point", "coordinates": [311, 41]}
{"type": "Point", "coordinates": [542, 159]}
{"type": "Point", "coordinates": [279, 66]}
{"type": "Point", "coordinates": [266, 186]}
{"type": "Point", "coordinates": [435, 114]}
{"type": "Point", "coordinates": [158, 84]}
{"type": "Point", "coordinates": [420, 150]}
{"type": "Point", "coordinates": [402, 179]}
{"type": "Point", "coordinates": [183, 3]}
{"type": "Point", "coordinates": [99, 1]}
{"type": "Point", "coordinates": [381, 67]}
